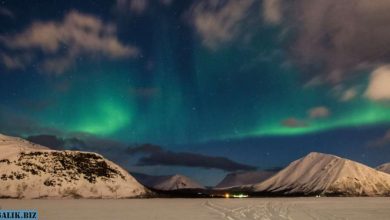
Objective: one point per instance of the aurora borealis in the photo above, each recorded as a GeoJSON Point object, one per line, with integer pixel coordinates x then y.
{"type": "Point", "coordinates": [188, 75]}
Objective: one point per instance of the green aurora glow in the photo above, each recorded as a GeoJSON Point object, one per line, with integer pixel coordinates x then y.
{"type": "Point", "coordinates": [180, 91]}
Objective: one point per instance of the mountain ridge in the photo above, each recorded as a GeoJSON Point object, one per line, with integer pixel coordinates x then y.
{"type": "Point", "coordinates": [244, 178]}
{"type": "Point", "coordinates": [167, 182]}
{"type": "Point", "coordinates": [33, 171]}
{"type": "Point", "coordinates": [319, 173]}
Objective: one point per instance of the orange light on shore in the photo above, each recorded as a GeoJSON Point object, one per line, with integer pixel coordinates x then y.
{"type": "Point", "coordinates": [227, 195]}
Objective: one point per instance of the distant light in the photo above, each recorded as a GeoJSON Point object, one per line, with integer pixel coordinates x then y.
{"type": "Point", "coordinates": [240, 196]}
{"type": "Point", "coordinates": [227, 195]}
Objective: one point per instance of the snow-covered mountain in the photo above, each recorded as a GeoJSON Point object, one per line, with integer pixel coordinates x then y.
{"type": "Point", "coordinates": [28, 170]}
{"type": "Point", "coordinates": [167, 183]}
{"type": "Point", "coordinates": [177, 182]}
{"type": "Point", "coordinates": [319, 173]}
{"type": "Point", "coordinates": [384, 168]}
{"type": "Point", "coordinates": [244, 178]}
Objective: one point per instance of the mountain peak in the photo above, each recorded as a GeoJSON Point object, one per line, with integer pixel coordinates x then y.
{"type": "Point", "coordinates": [317, 155]}
{"type": "Point", "coordinates": [319, 173]}
{"type": "Point", "coordinates": [177, 182]}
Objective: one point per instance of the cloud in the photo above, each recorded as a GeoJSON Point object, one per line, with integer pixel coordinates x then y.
{"type": "Point", "coordinates": [382, 141]}
{"type": "Point", "coordinates": [337, 37]}
{"type": "Point", "coordinates": [218, 22]}
{"type": "Point", "coordinates": [166, 2]}
{"type": "Point", "coordinates": [58, 143]}
{"type": "Point", "coordinates": [192, 160]}
{"type": "Point", "coordinates": [159, 156]}
{"type": "Point", "coordinates": [144, 149]}
{"type": "Point", "coordinates": [50, 141]}
{"type": "Point", "coordinates": [325, 44]}
{"type": "Point", "coordinates": [138, 6]}
{"type": "Point", "coordinates": [152, 155]}
{"type": "Point", "coordinates": [379, 85]}
{"type": "Point", "coordinates": [63, 42]}
{"type": "Point", "coordinates": [272, 12]}
{"type": "Point", "coordinates": [13, 62]}
{"type": "Point", "coordinates": [135, 6]}
{"type": "Point", "coordinates": [294, 123]}
{"type": "Point", "coordinates": [5, 12]}
{"type": "Point", "coordinates": [348, 95]}
{"type": "Point", "coordinates": [313, 114]}
{"type": "Point", "coordinates": [13, 123]}
{"type": "Point", "coordinates": [81, 141]}
{"type": "Point", "coordinates": [318, 112]}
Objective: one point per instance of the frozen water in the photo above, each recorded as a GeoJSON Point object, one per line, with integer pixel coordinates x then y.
{"type": "Point", "coordinates": [225, 209]}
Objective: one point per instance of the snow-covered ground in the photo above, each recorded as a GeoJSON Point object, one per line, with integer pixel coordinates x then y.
{"type": "Point", "coordinates": [203, 209]}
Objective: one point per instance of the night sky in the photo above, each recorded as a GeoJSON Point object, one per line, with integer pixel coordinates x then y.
{"type": "Point", "coordinates": [201, 87]}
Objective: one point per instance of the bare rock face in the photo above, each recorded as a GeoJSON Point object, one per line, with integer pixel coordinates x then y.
{"type": "Point", "coordinates": [32, 171]}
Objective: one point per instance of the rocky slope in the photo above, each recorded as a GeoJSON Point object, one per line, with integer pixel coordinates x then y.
{"type": "Point", "coordinates": [28, 170]}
